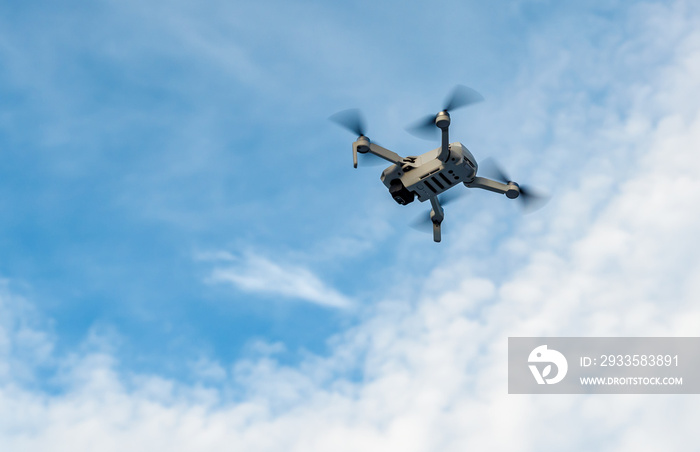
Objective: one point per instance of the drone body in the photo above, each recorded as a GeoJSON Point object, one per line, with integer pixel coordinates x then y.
{"type": "Point", "coordinates": [426, 176]}
{"type": "Point", "coordinates": [430, 174]}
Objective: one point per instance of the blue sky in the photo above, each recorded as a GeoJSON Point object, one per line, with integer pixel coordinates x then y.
{"type": "Point", "coordinates": [185, 246]}
{"type": "Point", "coordinates": [140, 137]}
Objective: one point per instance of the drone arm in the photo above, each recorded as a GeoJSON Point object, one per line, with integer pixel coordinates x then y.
{"type": "Point", "coordinates": [363, 146]}
{"type": "Point", "coordinates": [442, 121]}
{"type": "Point", "coordinates": [384, 153]}
{"type": "Point", "coordinates": [445, 149]}
{"type": "Point", "coordinates": [511, 189]}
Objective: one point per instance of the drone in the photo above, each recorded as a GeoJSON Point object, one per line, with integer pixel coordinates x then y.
{"type": "Point", "coordinates": [429, 175]}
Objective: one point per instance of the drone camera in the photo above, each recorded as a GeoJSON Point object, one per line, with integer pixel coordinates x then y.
{"type": "Point", "coordinates": [400, 193]}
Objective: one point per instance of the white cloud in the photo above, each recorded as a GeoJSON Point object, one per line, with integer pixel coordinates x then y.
{"type": "Point", "coordinates": [615, 254]}
{"type": "Point", "coordinates": [25, 342]}
{"type": "Point", "coordinates": [207, 369]}
{"type": "Point", "coordinates": [256, 274]}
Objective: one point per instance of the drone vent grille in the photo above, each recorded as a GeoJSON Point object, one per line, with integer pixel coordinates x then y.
{"type": "Point", "coordinates": [447, 181]}
{"type": "Point", "coordinates": [437, 182]}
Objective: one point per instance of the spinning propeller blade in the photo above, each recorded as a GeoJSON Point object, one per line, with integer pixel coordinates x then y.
{"type": "Point", "coordinates": [369, 159]}
{"type": "Point", "coordinates": [424, 128]}
{"type": "Point", "coordinates": [493, 170]}
{"type": "Point", "coordinates": [423, 223]}
{"type": "Point", "coordinates": [353, 120]}
{"type": "Point", "coordinates": [451, 196]}
{"type": "Point", "coordinates": [350, 119]}
{"type": "Point", "coordinates": [461, 96]}
{"type": "Point", "coordinates": [531, 199]}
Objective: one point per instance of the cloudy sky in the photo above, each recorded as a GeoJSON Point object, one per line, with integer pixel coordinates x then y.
{"type": "Point", "coordinates": [188, 260]}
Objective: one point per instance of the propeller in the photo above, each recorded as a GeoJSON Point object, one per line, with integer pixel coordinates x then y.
{"type": "Point", "coordinates": [351, 120]}
{"type": "Point", "coordinates": [531, 199]}
{"type": "Point", "coordinates": [423, 223]}
{"type": "Point", "coordinates": [461, 96]}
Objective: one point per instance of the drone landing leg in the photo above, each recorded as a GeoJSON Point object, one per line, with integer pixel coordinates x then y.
{"type": "Point", "coordinates": [436, 216]}
{"type": "Point", "coordinates": [437, 235]}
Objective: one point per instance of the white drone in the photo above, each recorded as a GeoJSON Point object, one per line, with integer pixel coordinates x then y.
{"type": "Point", "coordinates": [428, 175]}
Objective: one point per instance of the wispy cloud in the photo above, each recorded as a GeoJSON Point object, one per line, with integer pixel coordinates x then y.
{"type": "Point", "coordinates": [257, 274]}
